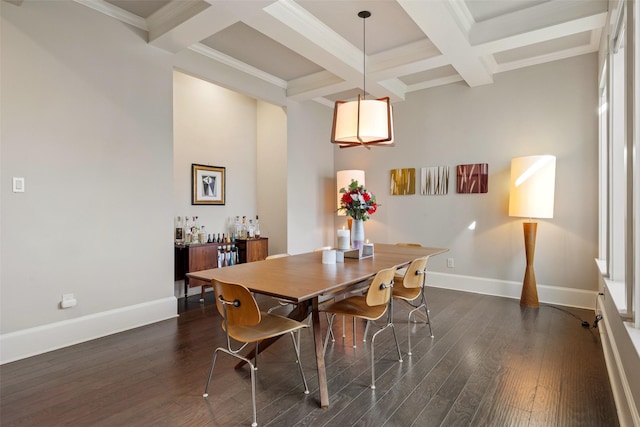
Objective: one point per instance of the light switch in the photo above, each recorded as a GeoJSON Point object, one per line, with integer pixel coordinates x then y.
{"type": "Point", "coordinates": [18, 184]}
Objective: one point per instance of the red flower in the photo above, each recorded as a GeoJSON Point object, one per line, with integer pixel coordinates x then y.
{"type": "Point", "coordinates": [357, 202]}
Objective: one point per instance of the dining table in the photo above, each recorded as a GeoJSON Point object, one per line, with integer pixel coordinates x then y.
{"type": "Point", "coordinates": [303, 278]}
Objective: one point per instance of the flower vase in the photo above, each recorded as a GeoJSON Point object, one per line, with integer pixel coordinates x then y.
{"type": "Point", "coordinates": [357, 234]}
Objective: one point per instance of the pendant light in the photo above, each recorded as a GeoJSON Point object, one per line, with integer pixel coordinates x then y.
{"type": "Point", "coordinates": [365, 122]}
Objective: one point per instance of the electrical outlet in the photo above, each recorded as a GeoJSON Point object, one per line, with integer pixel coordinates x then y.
{"type": "Point", "coordinates": [450, 263]}
{"type": "Point", "coordinates": [68, 301]}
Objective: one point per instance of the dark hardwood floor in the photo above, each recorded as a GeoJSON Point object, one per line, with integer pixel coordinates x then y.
{"type": "Point", "coordinates": [491, 363]}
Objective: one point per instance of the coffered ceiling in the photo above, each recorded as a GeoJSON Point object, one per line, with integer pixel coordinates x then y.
{"type": "Point", "coordinates": [313, 49]}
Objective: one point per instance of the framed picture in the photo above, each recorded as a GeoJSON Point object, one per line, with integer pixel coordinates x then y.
{"type": "Point", "coordinates": [207, 185]}
{"type": "Point", "coordinates": [403, 181]}
{"type": "Point", "coordinates": [473, 178]}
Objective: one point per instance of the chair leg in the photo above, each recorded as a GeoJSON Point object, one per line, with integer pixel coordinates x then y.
{"type": "Point", "coordinates": [366, 331]}
{"type": "Point", "coordinates": [373, 373]}
{"type": "Point", "coordinates": [354, 332]}
{"type": "Point", "coordinates": [213, 363]}
{"type": "Point", "coordinates": [253, 380]}
{"type": "Point", "coordinates": [326, 339]}
{"type": "Point", "coordinates": [296, 347]}
{"type": "Point", "coordinates": [426, 312]}
{"type": "Point", "coordinates": [255, 364]}
{"type": "Point", "coordinates": [253, 396]}
{"type": "Point", "coordinates": [333, 338]}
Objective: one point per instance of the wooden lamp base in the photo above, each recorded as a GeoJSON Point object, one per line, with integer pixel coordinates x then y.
{"type": "Point", "coordinates": [529, 296]}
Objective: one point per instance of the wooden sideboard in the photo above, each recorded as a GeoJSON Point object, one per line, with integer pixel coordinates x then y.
{"type": "Point", "coordinates": [250, 250]}
{"type": "Point", "coordinates": [204, 256]}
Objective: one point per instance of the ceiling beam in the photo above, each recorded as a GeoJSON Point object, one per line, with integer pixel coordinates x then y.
{"type": "Point", "coordinates": [181, 24]}
{"type": "Point", "coordinates": [441, 25]}
{"type": "Point", "coordinates": [294, 27]}
{"type": "Point", "coordinates": [552, 14]}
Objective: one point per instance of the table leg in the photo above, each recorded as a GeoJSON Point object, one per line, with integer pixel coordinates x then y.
{"type": "Point", "coordinates": [322, 373]}
{"type": "Point", "coordinates": [186, 288]}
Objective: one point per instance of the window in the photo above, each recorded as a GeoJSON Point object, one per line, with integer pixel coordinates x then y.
{"type": "Point", "coordinates": [619, 167]}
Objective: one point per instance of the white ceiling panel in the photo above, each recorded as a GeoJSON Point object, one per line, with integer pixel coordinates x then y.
{"type": "Point", "coordinates": [313, 49]}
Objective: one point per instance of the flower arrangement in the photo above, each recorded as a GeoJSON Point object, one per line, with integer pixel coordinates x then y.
{"type": "Point", "coordinates": [357, 202]}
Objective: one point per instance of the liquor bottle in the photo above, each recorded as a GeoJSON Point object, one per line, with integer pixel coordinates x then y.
{"type": "Point", "coordinates": [243, 230]}
{"type": "Point", "coordinates": [194, 229]}
{"type": "Point", "coordinates": [256, 232]}
{"type": "Point", "coordinates": [179, 231]}
{"type": "Point", "coordinates": [232, 260]}
{"type": "Point", "coordinates": [238, 226]}
{"type": "Point", "coordinates": [250, 230]}
{"type": "Point", "coordinates": [187, 229]}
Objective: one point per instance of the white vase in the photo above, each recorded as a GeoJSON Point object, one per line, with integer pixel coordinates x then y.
{"type": "Point", "coordinates": [357, 233]}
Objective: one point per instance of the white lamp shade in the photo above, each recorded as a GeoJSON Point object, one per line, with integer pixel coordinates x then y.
{"type": "Point", "coordinates": [532, 186]}
{"type": "Point", "coordinates": [343, 179]}
{"type": "Point", "coordinates": [363, 122]}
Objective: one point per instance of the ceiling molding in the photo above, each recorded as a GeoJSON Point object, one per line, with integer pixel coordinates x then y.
{"type": "Point", "coordinates": [309, 50]}
{"type": "Point", "coordinates": [115, 12]}
{"type": "Point", "coordinates": [238, 65]}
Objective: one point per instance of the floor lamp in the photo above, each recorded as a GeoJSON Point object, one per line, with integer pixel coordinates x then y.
{"type": "Point", "coordinates": [531, 196]}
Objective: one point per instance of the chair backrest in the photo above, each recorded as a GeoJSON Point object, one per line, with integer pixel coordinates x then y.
{"type": "Point", "coordinates": [379, 291]}
{"type": "Point", "coordinates": [414, 276]}
{"type": "Point", "coordinates": [277, 256]}
{"type": "Point", "coordinates": [241, 307]}
{"type": "Point", "coordinates": [418, 245]}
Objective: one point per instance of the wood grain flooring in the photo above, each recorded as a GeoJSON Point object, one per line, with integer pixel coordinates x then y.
{"type": "Point", "coordinates": [491, 363]}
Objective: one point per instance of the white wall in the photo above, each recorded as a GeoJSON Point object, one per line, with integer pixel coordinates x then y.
{"type": "Point", "coordinates": [311, 179]}
{"type": "Point", "coordinates": [88, 124]}
{"type": "Point", "coordinates": [546, 109]}
{"type": "Point", "coordinates": [272, 175]}
{"type": "Point", "coordinates": [217, 127]}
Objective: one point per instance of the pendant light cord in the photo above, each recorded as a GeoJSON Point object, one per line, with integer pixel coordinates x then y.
{"type": "Point", "coordinates": [364, 15]}
{"type": "Point", "coordinates": [364, 57]}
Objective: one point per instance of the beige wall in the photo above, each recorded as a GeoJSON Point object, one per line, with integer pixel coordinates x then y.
{"type": "Point", "coordinates": [546, 109]}
{"type": "Point", "coordinates": [89, 126]}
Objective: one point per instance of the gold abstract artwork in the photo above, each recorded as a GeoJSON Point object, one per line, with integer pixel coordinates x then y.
{"type": "Point", "coordinates": [403, 181]}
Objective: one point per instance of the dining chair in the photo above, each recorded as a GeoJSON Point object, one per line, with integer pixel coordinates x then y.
{"type": "Point", "coordinates": [243, 322]}
{"type": "Point", "coordinates": [284, 303]}
{"type": "Point", "coordinates": [410, 289]}
{"type": "Point", "coordinates": [400, 272]}
{"type": "Point", "coordinates": [370, 307]}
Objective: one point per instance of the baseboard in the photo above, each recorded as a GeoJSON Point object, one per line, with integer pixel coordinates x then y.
{"type": "Point", "coordinates": [41, 339]}
{"type": "Point", "coordinates": [546, 294]}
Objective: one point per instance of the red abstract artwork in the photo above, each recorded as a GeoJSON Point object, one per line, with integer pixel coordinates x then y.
{"type": "Point", "coordinates": [472, 178]}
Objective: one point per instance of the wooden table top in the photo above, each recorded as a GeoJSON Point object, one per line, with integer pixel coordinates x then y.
{"type": "Point", "coordinates": [302, 277]}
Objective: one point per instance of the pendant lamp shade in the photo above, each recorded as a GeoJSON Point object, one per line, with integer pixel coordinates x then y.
{"type": "Point", "coordinates": [362, 122]}
{"type": "Point", "coordinates": [365, 122]}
